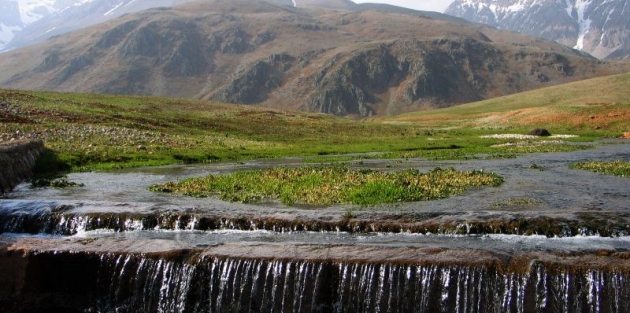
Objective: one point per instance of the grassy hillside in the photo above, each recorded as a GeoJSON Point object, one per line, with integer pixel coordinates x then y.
{"type": "Point", "coordinates": [600, 104]}
{"type": "Point", "coordinates": [91, 131]}
{"type": "Point", "coordinates": [88, 130]}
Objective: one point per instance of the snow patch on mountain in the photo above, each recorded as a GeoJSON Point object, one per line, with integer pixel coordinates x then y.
{"type": "Point", "coordinates": [584, 22]}
{"type": "Point", "coordinates": [130, 2]}
{"type": "Point", "coordinates": [7, 33]}
{"type": "Point", "coordinates": [31, 11]}
{"type": "Point", "coordinates": [114, 8]}
{"type": "Point", "coordinates": [25, 22]}
{"type": "Point", "coordinates": [598, 27]}
{"type": "Point", "coordinates": [570, 7]}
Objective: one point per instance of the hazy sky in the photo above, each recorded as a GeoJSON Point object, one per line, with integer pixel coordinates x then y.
{"type": "Point", "coordinates": [425, 5]}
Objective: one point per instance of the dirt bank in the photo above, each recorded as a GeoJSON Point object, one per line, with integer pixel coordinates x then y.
{"type": "Point", "coordinates": [17, 160]}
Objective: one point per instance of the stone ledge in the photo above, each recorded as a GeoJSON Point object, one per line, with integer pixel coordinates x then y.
{"type": "Point", "coordinates": [17, 159]}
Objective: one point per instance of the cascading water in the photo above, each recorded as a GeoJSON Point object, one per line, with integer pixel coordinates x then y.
{"type": "Point", "coordinates": [113, 246]}
{"type": "Point", "coordinates": [197, 283]}
{"type": "Point", "coordinates": [66, 218]}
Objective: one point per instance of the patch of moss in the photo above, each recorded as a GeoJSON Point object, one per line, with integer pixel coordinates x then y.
{"type": "Point", "coordinates": [61, 182]}
{"type": "Point", "coordinates": [617, 168]}
{"type": "Point", "coordinates": [332, 185]}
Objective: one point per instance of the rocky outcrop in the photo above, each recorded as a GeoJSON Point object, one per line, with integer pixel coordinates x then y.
{"type": "Point", "coordinates": [415, 73]}
{"type": "Point", "coordinates": [17, 160]}
{"type": "Point", "coordinates": [253, 84]}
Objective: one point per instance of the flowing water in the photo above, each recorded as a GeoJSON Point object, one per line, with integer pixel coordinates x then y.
{"type": "Point", "coordinates": [113, 246]}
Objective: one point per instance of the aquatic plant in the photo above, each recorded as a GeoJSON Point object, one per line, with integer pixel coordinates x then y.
{"type": "Point", "coordinates": [617, 168]}
{"type": "Point", "coordinates": [332, 185]}
{"type": "Point", "coordinates": [60, 182]}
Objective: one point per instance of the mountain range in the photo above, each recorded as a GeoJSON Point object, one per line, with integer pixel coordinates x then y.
{"type": "Point", "coordinates": [329, 56]}
{"type": "Point", "coordinates": [598, 27]}
{"type": "Point", "coordinates": [24, 22]}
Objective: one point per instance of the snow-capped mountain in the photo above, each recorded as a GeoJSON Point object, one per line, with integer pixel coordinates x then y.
{"type": "Point", "coordinates": [599, 27]}
{"type": "Point", "coordinates": [24, 22]}
{"type": "Point", "coordinates": [15, 15]}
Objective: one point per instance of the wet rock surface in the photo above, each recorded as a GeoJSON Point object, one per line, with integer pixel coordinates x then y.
{"type": "Point", "coordinates": [17, 159]}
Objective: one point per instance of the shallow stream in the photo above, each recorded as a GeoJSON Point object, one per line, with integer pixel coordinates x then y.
{"type": "Point", "coordinates": [550, 239]}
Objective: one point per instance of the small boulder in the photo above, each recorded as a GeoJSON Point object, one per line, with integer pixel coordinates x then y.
{"type": "Point", "coordinates": [540, 132]}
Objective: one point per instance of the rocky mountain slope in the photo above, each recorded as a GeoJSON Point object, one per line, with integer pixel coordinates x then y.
{"type": "Point", "coordinates": [599, 27]}
{"type": "Point", "coordinates": [345, 62]}
{"type": "Point", "coordinates": [24, 22]}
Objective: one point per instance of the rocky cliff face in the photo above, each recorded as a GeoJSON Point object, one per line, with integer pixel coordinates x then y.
{"type": "Point", "coordinates": [17, 160]}
{"type": "Point", "coordinates": [599, 27]}
{"type": "Point", "coordinates": [342, 62]}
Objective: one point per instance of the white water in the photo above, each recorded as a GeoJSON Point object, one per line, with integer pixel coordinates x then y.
{"type": "Point", "coordinates": [219, 270]}
{"type": "Point", "coordinates": [249, 285]}
{"type": "Point", "coordinates": [495, 243]}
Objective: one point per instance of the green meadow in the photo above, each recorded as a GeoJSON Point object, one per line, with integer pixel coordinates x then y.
{"type": "Point", "coordinates": [86, 132]}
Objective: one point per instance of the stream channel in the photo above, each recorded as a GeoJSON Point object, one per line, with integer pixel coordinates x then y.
{"type": "Point", "coordinates": [550, 239]}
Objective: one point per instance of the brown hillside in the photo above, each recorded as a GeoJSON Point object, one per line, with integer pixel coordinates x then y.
{"type": "Point", "coordinates": [356, 63]}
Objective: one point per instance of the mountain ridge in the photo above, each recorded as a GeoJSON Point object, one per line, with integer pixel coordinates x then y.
{"type": "Point", "coordinates": [598, 27]}
{"type": "Point", "coordinates": [343, 62]}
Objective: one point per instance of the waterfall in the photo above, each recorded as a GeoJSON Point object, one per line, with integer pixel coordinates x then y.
{"type": "Point", "coordinates": [49, 217]}
{"type": "Point", "coordinates": [190, 281]}
{"type": "Point", "coordinates": [243, 285]}
{"type": "Point", "coordinates": [211, 284]}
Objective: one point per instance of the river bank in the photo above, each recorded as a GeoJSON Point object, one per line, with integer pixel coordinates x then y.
{"type": "Point", "coordinates": [17, 159]}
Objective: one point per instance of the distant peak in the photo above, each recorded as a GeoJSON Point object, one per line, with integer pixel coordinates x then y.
{"type": "Point", "coordinates": [598, 27]}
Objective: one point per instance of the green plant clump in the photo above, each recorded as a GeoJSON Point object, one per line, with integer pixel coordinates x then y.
{"type": "Point", "coordinates": [332, 185]}
{"type": "Point", "coordinates": [61, 182]}
{"type": "Point", "coordinates": [617, 168]}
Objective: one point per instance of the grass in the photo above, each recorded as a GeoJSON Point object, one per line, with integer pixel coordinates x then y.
{"type": "Point", "coordinates": [617, 168]}
{"type": "Point", "coordinates": [87, 132]}
{"type": "Point", "coordinates": [332, 185]}
{"type": "Point", "coordinates": [594, 105]}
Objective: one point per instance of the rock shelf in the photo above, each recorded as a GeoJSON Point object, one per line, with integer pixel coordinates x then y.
{"type": "Point", "coordinates": [17, 159]}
